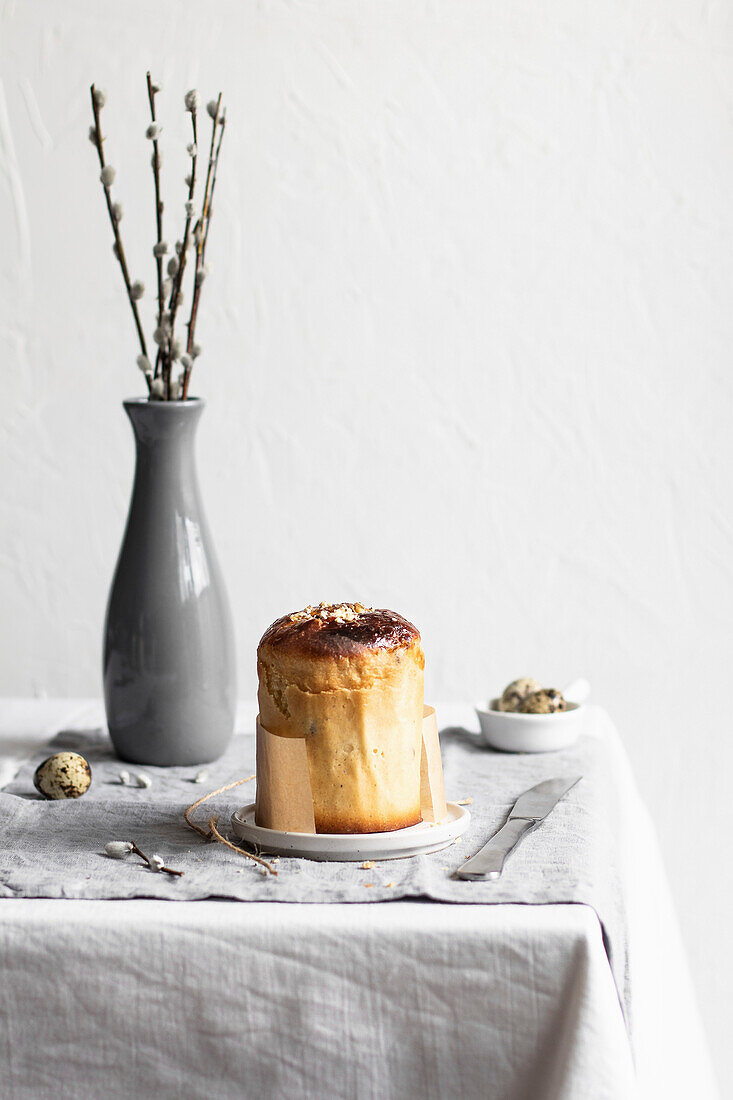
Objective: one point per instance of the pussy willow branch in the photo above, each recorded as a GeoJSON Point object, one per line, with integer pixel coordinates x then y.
{"type": "Point", "coordinates": [219, 120]}
{"type": "Point", "coordinates": [167, 870]}
{"type": "Point", "coordinates": [178, 280]}
{"type": "Point", "coordinates": [160, 359]}
{"type": "Point", "coordinates": [119, 250]}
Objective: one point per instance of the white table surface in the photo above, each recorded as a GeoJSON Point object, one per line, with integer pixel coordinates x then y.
{"type": "Point", "coordinates": [410, 999]}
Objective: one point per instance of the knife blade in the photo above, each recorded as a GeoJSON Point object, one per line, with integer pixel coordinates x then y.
{"type": "Point", "coordinates": [529, 810]}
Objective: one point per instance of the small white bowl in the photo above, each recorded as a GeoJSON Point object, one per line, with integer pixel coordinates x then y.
{"type": "Point", "coordinates": [512, 732]}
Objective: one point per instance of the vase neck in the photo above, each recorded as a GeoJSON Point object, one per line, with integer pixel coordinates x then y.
{"type": "Point", "coordinates": [166, 424]}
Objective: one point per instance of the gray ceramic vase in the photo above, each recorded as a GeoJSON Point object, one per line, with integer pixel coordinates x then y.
{"type": "Point", "coordinates": [169, 664]}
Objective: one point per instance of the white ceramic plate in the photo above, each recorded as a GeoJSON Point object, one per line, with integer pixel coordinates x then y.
{"type": "Point", "coordinates": [346, 847]}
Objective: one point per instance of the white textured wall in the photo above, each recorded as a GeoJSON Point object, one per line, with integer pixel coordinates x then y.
{"type": "Point", "coordinates": [468, 351]}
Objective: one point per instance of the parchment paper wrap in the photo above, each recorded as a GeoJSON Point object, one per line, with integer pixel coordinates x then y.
{"type": "Point", "coordinates": [284, 800]}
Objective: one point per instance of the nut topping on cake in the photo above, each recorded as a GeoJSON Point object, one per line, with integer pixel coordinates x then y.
{"type": "Point", "coordinates": [339, 613]}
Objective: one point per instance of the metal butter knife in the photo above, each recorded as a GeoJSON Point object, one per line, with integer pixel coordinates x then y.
{"type": "Point", "coordinates": [530, 809]}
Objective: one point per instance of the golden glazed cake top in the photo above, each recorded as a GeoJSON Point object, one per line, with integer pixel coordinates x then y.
{"type": "Point", "coordinates": [330, 630]}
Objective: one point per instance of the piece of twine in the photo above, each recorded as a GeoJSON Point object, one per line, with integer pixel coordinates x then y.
{"type": "Point", "coordinates": [211, 831]}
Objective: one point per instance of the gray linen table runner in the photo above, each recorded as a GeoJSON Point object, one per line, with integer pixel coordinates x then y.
{"type": "Point", "coordinates": [56, 849]}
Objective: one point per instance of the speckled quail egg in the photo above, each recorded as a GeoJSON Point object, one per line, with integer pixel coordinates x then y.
{"type": "Point", "coordinates": [63, 775]}
{"type": "Point", "coordinates": [545, 701]}
{"type": "Point", "coordinates": [518, 690]}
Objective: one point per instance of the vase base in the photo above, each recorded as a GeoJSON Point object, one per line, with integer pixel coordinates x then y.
{"type": "Point", "coordinates": [156, 752]}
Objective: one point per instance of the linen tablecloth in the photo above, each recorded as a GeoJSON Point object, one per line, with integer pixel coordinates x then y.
{"type": "Point", "coordinates": [216, 999]}
{"type": "Point", "coordinates": [56, 849]}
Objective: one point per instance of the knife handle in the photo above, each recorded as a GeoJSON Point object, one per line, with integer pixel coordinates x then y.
{"type": "Point", "coordinates": [489, 860]}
